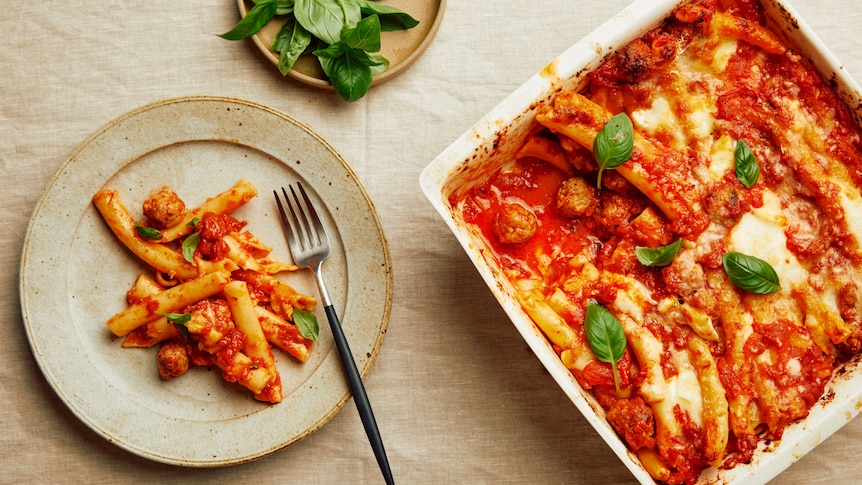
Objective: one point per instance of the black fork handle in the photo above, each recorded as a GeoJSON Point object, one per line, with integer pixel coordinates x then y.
{"type": "Point", "coordinates": [360, 397]}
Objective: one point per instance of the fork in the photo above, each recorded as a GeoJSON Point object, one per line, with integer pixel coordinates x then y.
{"type": "Point", "coordinates": [309, 246]}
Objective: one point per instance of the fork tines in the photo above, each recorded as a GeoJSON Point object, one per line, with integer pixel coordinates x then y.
{"type": "Point", "coordinates": [302, 217]}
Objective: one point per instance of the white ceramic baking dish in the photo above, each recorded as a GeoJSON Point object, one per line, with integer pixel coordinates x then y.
{"type": "Point", "coordinates": [492, 142]}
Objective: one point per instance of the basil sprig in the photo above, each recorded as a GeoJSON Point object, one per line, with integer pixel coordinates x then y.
{"type": "Point", "coordinates": [150, 233]}
{"type": "Point", "coordinates": [256, 18]}
{"type": "Point", "coordinates": [190, 245]}
{"type": "Point", "coordinates": [351, 60]}
{"type": "Point", "coordinates": [291, 42]}
{"type": "Point", "coordinates": [747, 169]}
{"type": "Point", "coordinates": [179, 321]}
{"type": "Point", "coordinates": [614, 144]}
{"type": "Point", "coordinates": [306, 323]}
{"type": "Point", "coordinates": [338, 32]}
{"type": "Point", "coordinates": [750, 273]}
{"type": "Point", "coordinates": [605, 336]}
{"type": "Point", "coordinates": [661, 256]}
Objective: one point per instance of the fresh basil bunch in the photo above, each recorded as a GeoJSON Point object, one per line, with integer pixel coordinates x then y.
{"type": "Point", "coordinates": [344, 35]}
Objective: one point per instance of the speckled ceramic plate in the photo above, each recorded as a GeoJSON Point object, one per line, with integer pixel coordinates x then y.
{"type": "Point", "coordinates": [402, 48]}
{"type": "Point", "coordinates": [74, 275]}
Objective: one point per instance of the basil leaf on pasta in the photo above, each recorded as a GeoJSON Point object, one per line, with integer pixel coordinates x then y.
{"type": "Point", "coordinates": [747, 169]}
{"type": "Point", "coordinates": [750, 273]}
{"type": "Point", "coordinates": [150, 233]}
{"type": "Point", "coordinates": [190, 244]}
{"type": "Point", "coordinates": [658, 257]}
{"type": "Point", "coordinates": [306, 322]}
{"type": "Point", "coordinates": [179, 321]}
{"type": "Point", "coordinates": [614, 144]}
{"type": "Point", "coordinates": [605, 336]}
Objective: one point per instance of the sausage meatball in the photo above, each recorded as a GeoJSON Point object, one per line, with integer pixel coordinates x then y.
{"type": "Point", "coordinates": [576, 198]}
{"type": "Point", "coordinates": [633, 419]}
{"type": "Point", "coordinates": [173, 360]}
{"type": "Point", "coordinates": [515, 224]}
{"type": "Point", "coordinates": [164, 208]}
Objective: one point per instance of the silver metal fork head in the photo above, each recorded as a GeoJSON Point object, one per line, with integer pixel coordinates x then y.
{"type": "Point", "coordinates": [303, 228]}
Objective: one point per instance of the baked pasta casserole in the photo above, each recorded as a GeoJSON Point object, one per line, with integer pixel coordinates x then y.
{"type": "Point", "coordinates": [704, 285]}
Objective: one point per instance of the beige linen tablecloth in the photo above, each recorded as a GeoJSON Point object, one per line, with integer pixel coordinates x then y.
{"type": "Point", "coordinates": [458, 396]}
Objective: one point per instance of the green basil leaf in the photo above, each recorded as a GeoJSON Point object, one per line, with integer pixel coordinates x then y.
{"type": "Point", "coordinates": [605, 336]}
{"type": "Point", "coordinates": [661, 256]}
{"type": "Point", "coordinates": [391, 18]}
{"type": "Point", "coordinates": [750, 273]}
{"type": "Point", "coordinates": [381, 64]}
{"type": "Point", "coordinates": [325, 19]}
{"type": "Point", "coordinates": [747, 168]}
{"type": "Point", "coordinates": [614, 144]}
{"type": "Point", "coordinates": [365, 36]}
{"type": "Point", "coordinates": [349, 73]}
{"type": "Point", "coordinates": [150, 233]}
{"type": "Point", "coordinates": [326, 64]}
{"type": "Point", "coordinates": [254, 20]}
{"type": "Point", "coordinates": [306, 322]}
{"type": "Point", "coordinates": [333, 51]}
{"type": "Point", "coordinates": [179, 321]}
{"type": "Point", "coordinates": [194, 222]}
{"type": "Point", "coordinates": [284, 7]}
{"type": "Point", "coordinates": [290, 42]}
{"type": "Point", "coordinates": [190, 244]}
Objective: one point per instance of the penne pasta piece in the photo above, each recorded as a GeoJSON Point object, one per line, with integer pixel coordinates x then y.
{"type": "Point", "coordinates": [256, 347]}
{"type": "Point", "coordinates": [223, 203]}
{"type": "Point", "coordinates": [153, 332]}
{"type": "Point", "coordinates": [283, 335]}
{"type": "Point", "coordinates": [273, 266]}
{"type": "Point", "coordinates": [549, 321]}
{"type": "Point", "coordinates": [168, 301]}
{"type": "Point", "coordinates": [654, 464]}
{"type": "Point", "coordinates": [159, 256]}
{"type": "Point", "coordinates": [239, 255]}
{"type": "Point", "coordinates": [143, 287]}
{"type": "Point", "coordinates": [547, 150]}
{"type": "Point", "coordinates": [716, 422]}
{"type": "Point", "coordinates": [742, 29]}
{"type": "Point", "coordinates": [157, 331]}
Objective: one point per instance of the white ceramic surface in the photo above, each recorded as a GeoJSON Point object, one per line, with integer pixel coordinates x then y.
{"type": "Point", "coordinates": [74, 275]}
{"type": "Point", "coordinates": [492, 142]}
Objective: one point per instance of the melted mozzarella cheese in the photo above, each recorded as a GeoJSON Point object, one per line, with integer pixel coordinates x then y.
{"type": "Point", "coordinates": [659, 118]}
{"type": "Point", "coordinates": [760, 233]}
{"type": "Point", "coordinates": [851, 202]}
{"type": "Point", "coordinates": [723, 51]}
{"type": "Point", "coordinates": [721, 157]}
{"type": "Point", "coordinates": [684, 388]}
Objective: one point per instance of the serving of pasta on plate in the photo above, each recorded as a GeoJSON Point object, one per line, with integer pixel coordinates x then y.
{"type": "Point", "coordinates": [213, 297]}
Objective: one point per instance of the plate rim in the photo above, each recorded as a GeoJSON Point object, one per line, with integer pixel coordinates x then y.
{"type": "Point", "coordinates": [384, 305]}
